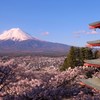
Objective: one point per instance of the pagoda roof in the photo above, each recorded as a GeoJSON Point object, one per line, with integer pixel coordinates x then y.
{"type": "Point", "coordinates": [95, 25]}
{"type": "Point", "coordinates": [94, 62]}
{"type": "Point", "coordinates": [92, 83]}
{"type": "Point", "coordinates": [94, 43]}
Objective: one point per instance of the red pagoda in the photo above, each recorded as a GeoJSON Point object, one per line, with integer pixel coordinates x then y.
{"type": "Point", "coordinates": [95, 81]}
{"type": "Point", "coordinates": [94, 25]}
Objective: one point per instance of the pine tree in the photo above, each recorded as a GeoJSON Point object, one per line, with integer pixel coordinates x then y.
{"type": "Point", "coordinates": [65, 65]}
{"type": "Point", "coordinates": [96, 54]}
{"type": "Point", "coordinates": [77, 56]}
{"type": "Point", "coordinates": [71, 58]}
{"type": "Point", "coordinates": [88, 53]}
{"type": "Point", "coordinates": [82, 55]}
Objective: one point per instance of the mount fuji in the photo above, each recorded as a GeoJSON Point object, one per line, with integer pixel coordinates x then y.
{"type": "Point", "coordinates": [15, 34]}
{"type": "Point", "coordinates": [19, 42]}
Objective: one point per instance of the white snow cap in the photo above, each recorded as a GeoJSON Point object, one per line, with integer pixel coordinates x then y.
{"type": "Point", "coordinates": [15, 34]}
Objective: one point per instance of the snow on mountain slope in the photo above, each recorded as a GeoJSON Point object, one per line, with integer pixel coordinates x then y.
{"type": "Point", "coordinates": [15, 34]}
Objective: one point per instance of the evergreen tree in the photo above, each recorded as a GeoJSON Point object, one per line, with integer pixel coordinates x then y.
{"type": "Point", "coordinates": [71, 58]}
{"type": "Point", "coordinates": [88, 53]}
{"type": "Point", "coordinates": [77, 56]}
{"type": "Point", "coordinates": [96, 54]}
{"type": "Point", "coordinates": [65, 65]}
{"type": "Point", "coordinates": [82, 55]}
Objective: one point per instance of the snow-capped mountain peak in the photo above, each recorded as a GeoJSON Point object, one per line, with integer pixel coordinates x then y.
{"type": "Point", "coordinates": [15, 34]}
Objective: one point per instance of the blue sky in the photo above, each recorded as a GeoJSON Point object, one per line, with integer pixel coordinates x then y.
{"type": "Point", "coordinates": [62, 21]}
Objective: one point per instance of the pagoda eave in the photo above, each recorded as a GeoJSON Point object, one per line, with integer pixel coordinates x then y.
{"type": "Point", "coordinates": [93, 65]}
{"type": "Point", "coordinates": [94, 25]}
{"type": "Point", "coordinates": [91, 45]}
{"type": "Point", "coordinates": [91, 83]}
{"type": "Point", "coordinates": [93, 62]}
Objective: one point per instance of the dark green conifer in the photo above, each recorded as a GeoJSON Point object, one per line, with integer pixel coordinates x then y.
{"type": "Point", "coordinates": [76, 57]}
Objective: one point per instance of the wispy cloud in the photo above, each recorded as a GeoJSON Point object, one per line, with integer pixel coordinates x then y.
{"type": "Point", "coordinates": [77, 36]}
{"type": "Point", "coordinates": [86, 32]}
{"type": "Point", "coordinates": [79, 32]}
{"type": "Point", "coordinates": [92, 32]}
{"type": "Point", "coordinates": [45, 33]}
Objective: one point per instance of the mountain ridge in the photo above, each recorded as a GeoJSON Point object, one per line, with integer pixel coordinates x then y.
{"type": "Point", "coordinates": [24, 43]}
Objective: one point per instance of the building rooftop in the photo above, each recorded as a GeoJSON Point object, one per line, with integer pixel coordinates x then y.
{"type": "Point", "coordinates": [92, 82]}
{"type": "Point", "coordinates": [94, 62]}
{"type": "Point", "coordinates": [94, 25]}
{"type": "Point", "coordinates": [94, 43]}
